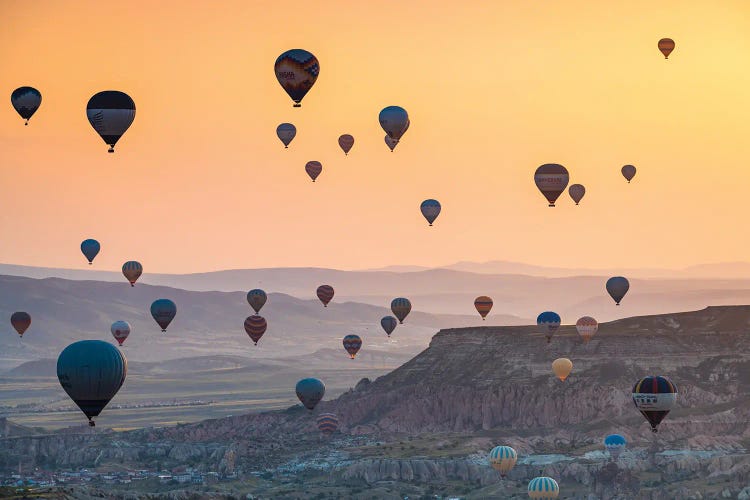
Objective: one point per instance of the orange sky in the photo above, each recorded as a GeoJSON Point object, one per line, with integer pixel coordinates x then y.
{"type": "Point", "coordinates": [493, 90]}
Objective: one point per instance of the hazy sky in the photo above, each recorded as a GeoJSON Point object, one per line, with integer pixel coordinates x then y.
{"type": "Point", "coordinates": [493, 90]}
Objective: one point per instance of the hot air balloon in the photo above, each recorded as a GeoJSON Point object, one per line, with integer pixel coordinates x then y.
{"type": "Point", "coordinates": [617, 287]}
{"type": "Point", "coordinates": [483, 304]}
{"type": "Point", "coordinates": [395, 121]}
{"type": "Point", "coordinates": [576, 191]}
{"type": "Point", "coordinates": [562, 367]}
{"type": "Point", "coordinates": [296, 70]}
{"type": "Point", "coordinates": [628, 171]}
{"type": "Point", "coordinates": [26, 100]}
{"type": "Point", "coordinates": [327, 423]}
{"type": "Point", "coordinates": [111, 113]}
{"type": "Point", "coordinates": [21, 321]}
{"type": "Point", "coordinates": [310, 391]}
{"type": "Point", "coordinates": [666, 46]}
{"type": "Point", "coordinates": [91, 372]}
{"type": "Point", "coordinates": [430, 210]}
{"type": "Point", "coordinates": [313, 169]}
{"type": "Point", "coordinates": [346, 142]}
{"type": "Point", "coordinates": [615, 445]}
{"type": "Point", "coordinates": [543, 487]}
{"type": "Point", "coordinates": [163, 311]}
{"type": "Point", "coordinates": [401, 308]}
{"type": "Point", "coordinates": [255, 326]}
{"type": "Point", "coordinates": [132, 270]}
{"type": "Point", "coordinates": [587, 327]}
{"type": "Point", "coordinates": [325, 294]}
{"type": "Point", "coordinates": [286, 132]}
{"type": "Point", "coordinates": [551, 179]}
{"type": "Point", "coordinates": [502, 459]}
{"type": "Point", "coordinates": [654, 396]}
{"type": "Point", "coordinates": [120, 331]}
{"type": "Point", "coordinates": [389, 324]}
{"type": "Point", "coordinates": [90, 249]}
{"type": "Point", "coordinates": [391, 143]}
{"type": "Point", "coordinates": [257, 299]}
{"type": "Point", "coordinates": [549, 322]}
{"type": "Point", "coordinates": [352, 344]}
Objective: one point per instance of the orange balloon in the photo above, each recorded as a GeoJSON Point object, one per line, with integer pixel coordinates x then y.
{"type": "Point", "coordinates": [562, 368]}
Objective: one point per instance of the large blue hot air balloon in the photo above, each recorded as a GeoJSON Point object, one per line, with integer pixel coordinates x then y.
{"type": "Point", "coordinates": [395, 121]}
{"type": "Point", "coordinates": [111, 113]}
{"type": "Point", "coordinates": [615, 445]}
{"type": "Point", "coordinates": [26, 100]}
{"type": "Point", "coordinates": [90, 249]}
{"type": "Point", "coordinates": [163, 311]}
{"type": "Point", "coordinates": [617, 287]}
{"type": "Point", "coordinates": [91, 372]}
{"type": "Point", "coordinates": [310, 391]}
{"type": "Point", "coordinates": [549, 322]}
{"type": "Point", "coordinates": [430, 210]}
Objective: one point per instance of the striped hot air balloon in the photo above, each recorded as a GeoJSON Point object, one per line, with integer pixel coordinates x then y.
{"type": "Point", "coordinates": [401, 308]}
{"type": "Point", "coordinates": [551, 179]}
{"type": "Point", "coordinates": [503, 459]}
{"type": "Point", "coordinates": [654, 396]}
{"type": "Point", "coordinates": [327, 423]}
{"type": "Point", "coordinates": [325, 294]}
{"type": "Point", "coordinates": [111, 113]}
{"type": "Point", "coordinates": [26, 101]}
{"type": "Point", "coordinates": [543, 487]}
{"type": "Point", "coordinates": [346, 142]}
{"type": "Point", "coordinates": [296, 70]}
{"type": "Point", "coordinates": [132, 270]}
{"type": "Point", "coordinates": [21, 321]}
{"type": "Point", "coordinates": [257, 299]}
{"type": "Point", "coordinates": [587, 327]}
{"type": "Point", "coordinates": [483, 304]}
{"type": "Point", "coordinates": [549, 322]}
{"type": "Point", "coordinates": [666, 46]}
{"type": "Point", "coordinates": [286, 132]}
{"type": "Point", "coordinates": [389, 324]}
{"type": "Point", "coordinates": [352, 344]}
{"type": "Point", "coordinates": [313, 169]}
{"type": "Point", "coordinates": [255, 326]}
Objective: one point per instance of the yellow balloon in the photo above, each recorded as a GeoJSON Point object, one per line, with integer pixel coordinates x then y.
{"type": "Point", "coordinates": [562, 368]}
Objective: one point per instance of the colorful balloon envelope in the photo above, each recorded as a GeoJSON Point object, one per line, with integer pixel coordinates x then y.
{"type": "Point", "coordinates": [26, 101]}
{"type": "Point", "coordinates": [120, 331]}
{"type": "Point", "coordinates": [401, 308]}
{"type": "Point", "coordinates": [483, 305]}
{"type": "Point", "coordinates": [503, 459]}
{"type": "Point", "coordinates": [654, 396]}
{"type": "Point", "coordinates": [255, 327]}
{"type": "Point", "coordinates": [615, 445]}
{"type": "Point", "coordinates": [391, 143]}
{"type": "Point", "coordinates": [562, 368]}
{"type": "Point", "coordinates": [617, 287]}
{"type": "Point", "coordinates": [395, 121]}
{"type": "Point", "coordinates": [310, 391]}
{"type": "Point", "coordinates": [346, 142]}
{"type": "Point", "coordinates": [257, 299]}
{"type": "Point", "coordinates": [327, 423]}
{"type": "Point", "coordinates": [297, 70]}
{"type": "Point", "coordinates": [587, 327]}
{"type": "Point", "coordinates": [21, 321]}
{"type": "Point", "coordinates": [325, 294]}
{"type": "Point", "coordinates": [430, 210]}
{"type": "Point", "coordinates": [286, 132]}
{"type": "Point", "coordinates": [628, 171]}
{"type": "Point", "coordinates": [551, 179]}
{"type": "Point", "coordinates": [132, 270]}
{"type": "Point", "coordinates": [389, 324]}
{"type": "Point", "coordinates": [543, 487]}
{"type": "Point", "coordinates": [666, 46]}
{"type": "Point", "coordinates": [576, 191]}
{"type": "Point", "coordinates": [163, 311]}
{"type": "Point", "coordinates": [111, 113]}
{"type": "Point", "coordinates": [549, 322]}
{"type": "Point", "coordinates": [90, 249]}
{"type": "Point", "coordinates": [352, 345]}
{"type": "Point", "coordinates": [91, 372]}
{"type": "Point", "coordinates": [313, 169]}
